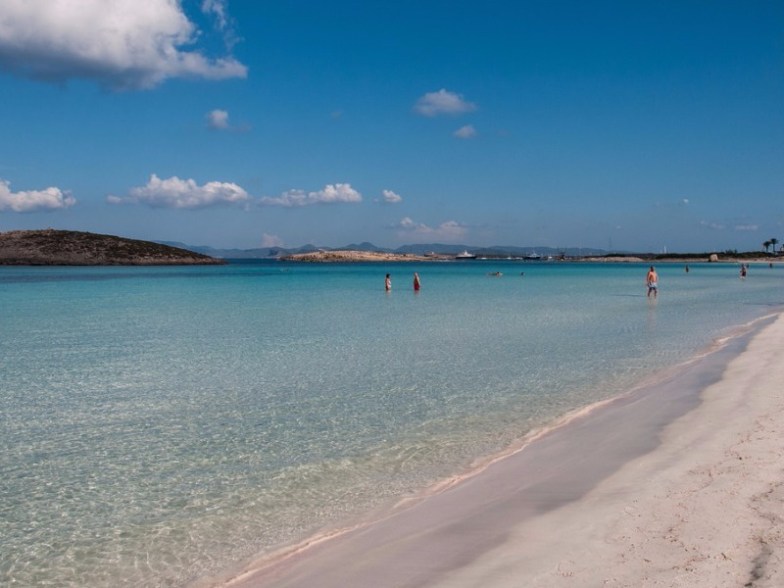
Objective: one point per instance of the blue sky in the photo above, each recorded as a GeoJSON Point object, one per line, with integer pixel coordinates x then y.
{"type": "Point", "coordinates": [622, 125]}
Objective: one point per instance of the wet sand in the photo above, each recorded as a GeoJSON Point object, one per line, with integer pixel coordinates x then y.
{"type": "Point", "coordinates": [680, 483]}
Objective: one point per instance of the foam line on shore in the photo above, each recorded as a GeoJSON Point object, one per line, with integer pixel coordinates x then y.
{"type": "Point", "coordinates": [320, 554]}
{"type": "Point", "coordinates": [565, 420]}
{"type": "Point", "coordinates": [704, 510]}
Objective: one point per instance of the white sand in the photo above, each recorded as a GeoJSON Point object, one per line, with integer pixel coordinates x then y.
{"type": "Point", "coordinates": [704, 509]}
{"type": "Point", "coordinates": [658, 489]}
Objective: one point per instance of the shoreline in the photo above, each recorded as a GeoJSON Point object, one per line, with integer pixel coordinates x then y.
{"type": "Point", "coordinates": [704, 509]}
{"type": "Point", "coordinates": [354, 256]}
{"type": "Point", "coordinates": [466, 533]}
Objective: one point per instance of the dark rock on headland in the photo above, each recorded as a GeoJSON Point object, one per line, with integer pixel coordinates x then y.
{"type": "Point", "coordinates": [52, 247]}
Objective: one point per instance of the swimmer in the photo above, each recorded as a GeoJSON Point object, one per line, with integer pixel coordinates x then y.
{"type": "Point", "coordinates": [652, 281]}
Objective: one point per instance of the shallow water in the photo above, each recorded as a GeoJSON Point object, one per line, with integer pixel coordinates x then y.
{"type": "Point", "coordinates": [160, 424]}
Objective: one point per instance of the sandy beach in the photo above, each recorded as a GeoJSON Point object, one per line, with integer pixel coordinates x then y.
{"type": "Point", "coordinates": [705, 508]}
{"type": "Point", "coordinates": [678, 483]}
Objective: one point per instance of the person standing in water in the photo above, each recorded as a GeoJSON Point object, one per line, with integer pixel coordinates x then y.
{"type": "Point", "coordinates": [417, 285]}
{"type": "Point", "coordinates": [388, 283]}
{"type": "Point", "coordinates": [652, 280]}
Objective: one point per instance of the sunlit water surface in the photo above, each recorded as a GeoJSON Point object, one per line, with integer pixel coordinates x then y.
{"type": "Point", "coordinates": [159, 425]}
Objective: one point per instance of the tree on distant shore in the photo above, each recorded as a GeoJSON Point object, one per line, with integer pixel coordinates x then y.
{"type": "Point", "coordinates": [773, 243]}
{"type": "Point", "coordinates": [766, 245]}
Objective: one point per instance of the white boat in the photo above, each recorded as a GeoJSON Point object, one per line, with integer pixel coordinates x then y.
{"type": "Point", "coordinates": [465, 255]}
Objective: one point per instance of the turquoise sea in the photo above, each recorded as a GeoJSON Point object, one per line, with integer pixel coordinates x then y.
{"type": "Point", "coordinates": [162, 425]}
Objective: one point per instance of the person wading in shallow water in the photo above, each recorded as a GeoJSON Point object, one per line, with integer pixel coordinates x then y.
{"type": "Point", "coordinates": [387, 283]}
{"type": "Point", "coordinates": [652, 280]}
{"type": "Point", "coordinates": [417, 285]}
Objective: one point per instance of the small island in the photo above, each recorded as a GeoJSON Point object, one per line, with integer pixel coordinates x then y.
{"type": "Point", "coordinates": [345, 255]}
{"type": "Point", "coordinates": [55, 247]}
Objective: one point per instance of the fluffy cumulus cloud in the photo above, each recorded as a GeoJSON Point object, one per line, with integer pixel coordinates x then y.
{"type": "Point", "coordinates": [330, 194]}
{"type": "Point", "coordinates": [390, 197]}
{"type": "Point", "coordinates": [123, 44]}
{"type": "Point", "coordinates": [442, 102]}
{"type": "Point", "coordinates": [33, 200]}
{"type": "Point", "coordinates": [218, 119]}
{"type": "Point", "coordinates": [177, 193]}
{"type": "Point", "coordinates": [465, 132]}
{"type": "Point", "coordinates": [448, 231]}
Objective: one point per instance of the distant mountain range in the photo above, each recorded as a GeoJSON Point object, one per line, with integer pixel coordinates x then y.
{"type": "Point", "coordinates": [417, 249]}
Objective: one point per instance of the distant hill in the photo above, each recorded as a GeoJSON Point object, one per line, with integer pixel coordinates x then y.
{"type": "Point", "coordinates": [257, 253]}
{"type": "Point", "coordinates": [415, 249]}
{"type": "Point", "coordinates": [51, 247]}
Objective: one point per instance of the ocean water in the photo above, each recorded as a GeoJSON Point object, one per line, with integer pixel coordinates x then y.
{"type": "Point", "coordinates": [162, 425]}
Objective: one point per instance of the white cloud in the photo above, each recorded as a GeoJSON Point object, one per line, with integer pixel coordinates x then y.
{"type": "Point", "coordinates": [176, 193]}
{"type": "Point", "coordinates": [223, 22]}
{"type": "Point", "coordinates": [33, 200]}
{"type": "Point", "coordinates": [465, 132]}
{"type": "Point", "coordinates": [122, 44]}
{"type": "Point", "coordinates": [218, 119]}
{"type": "Point", "coordinates": [713, 226]}
{"type": "Point", "coordinates": [218, 9]}
{"type": "Point", "coordinates": [443, 102]}
{"type": "Point", "coordinates": [391, 197]}
{"type": "Point", "coordinates": [330, 194]}
{"type": "Point", "coordinates": [742, 227]}
{"type": "Point", "coordinates": [271, 240]}
{"type": "Point", "coordinates": [449, 230]}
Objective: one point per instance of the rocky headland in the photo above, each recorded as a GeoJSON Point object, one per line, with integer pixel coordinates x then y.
{"type": "Point", "coordinates": [54, 247]}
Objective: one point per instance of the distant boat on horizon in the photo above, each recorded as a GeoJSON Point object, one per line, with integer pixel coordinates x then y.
{"type": "Point", "coordinates": [465, 255]}
{"type": "Point", "coordinates": [533, 256]}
